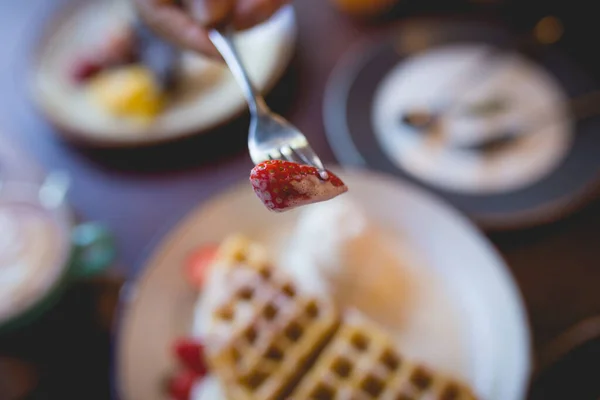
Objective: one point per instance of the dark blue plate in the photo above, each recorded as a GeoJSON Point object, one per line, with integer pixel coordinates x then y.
{"type": "Point", "coordinates": [348, 109]}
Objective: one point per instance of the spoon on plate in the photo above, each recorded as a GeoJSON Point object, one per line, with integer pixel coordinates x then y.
{"type": "Point", "coordinates": [474, 74]}
{"type": "Point", "coordinates": [481, 68]}
{"type": "Point", "coordinates": [424, 119]}
{"type": "Point", "coordinates": [581, 107]}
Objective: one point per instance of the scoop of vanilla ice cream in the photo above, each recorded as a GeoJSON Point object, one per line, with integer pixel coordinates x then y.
{"type": "Point", "coordinates": [336, 249]}
{"type": "Point", "coordinates": [320, 237]}
{"type": "Point", "coordinates": [207, 388]}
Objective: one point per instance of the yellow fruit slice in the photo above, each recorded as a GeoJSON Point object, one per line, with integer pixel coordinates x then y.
{"type": "Point", "coordinates": [128, 91]}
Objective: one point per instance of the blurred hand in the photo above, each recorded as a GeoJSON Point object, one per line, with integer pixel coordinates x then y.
{"type": "Point", "coordinates": [186, 25]}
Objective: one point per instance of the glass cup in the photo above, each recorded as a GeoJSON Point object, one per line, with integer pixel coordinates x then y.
{"type": "Point", "coordinates": [43, 249]}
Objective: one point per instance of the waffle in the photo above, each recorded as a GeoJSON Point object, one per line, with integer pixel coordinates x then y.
{"type": "Point", "coordinates": [263, 332]}
{"type": "Point", "coordinates": [362, 363]}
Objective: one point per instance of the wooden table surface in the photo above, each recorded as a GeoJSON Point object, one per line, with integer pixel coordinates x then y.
{"type": "Point", "coordinates": [140, 194]}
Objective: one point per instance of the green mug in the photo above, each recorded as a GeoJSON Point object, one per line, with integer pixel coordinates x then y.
{"type": "Point", "coordinates": [30, 212]}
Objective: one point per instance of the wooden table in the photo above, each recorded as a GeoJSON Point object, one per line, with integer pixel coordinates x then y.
{"type": "Point", "coordinates": [140, 194]}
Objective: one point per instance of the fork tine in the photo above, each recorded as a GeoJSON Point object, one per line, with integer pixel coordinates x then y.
{"type": "Point", "coordinates": [288, 154]}
{"type": "Point", "coordinates": [299, 156]}
{"type": "Point", "coordinates": [274, 154]}
{"type": "Point", "coordinates": [308, 156]}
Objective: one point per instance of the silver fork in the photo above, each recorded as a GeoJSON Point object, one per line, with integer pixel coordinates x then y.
{"type": "Point", "coordinates": [271, 137]}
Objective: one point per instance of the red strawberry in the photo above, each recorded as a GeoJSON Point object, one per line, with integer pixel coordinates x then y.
{"type": "Point", "coordinates": [190, 353]}
{"type": "Point", "coordinates": [197, 264]}
{"type": "Point", "coordinates": [182, 383]}
{"type": "Point", "coordinates": [283, 185]}
{"type": "Point", "coordinates": [84, 69]}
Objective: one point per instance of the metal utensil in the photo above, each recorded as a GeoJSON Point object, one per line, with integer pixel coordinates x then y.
{"type": "Point", "coordinates": [423, 119]}
{"type": "Point", "coordinates": [581, 107]}
{"type": "Point", "coordinates": [157, 54]}
{"type": "Point", "coordinates": [271, 136]}
{"type": "Point", "coordinates": [475, 74]}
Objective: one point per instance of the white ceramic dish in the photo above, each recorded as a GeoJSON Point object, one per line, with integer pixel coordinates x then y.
{"type": "Point", "coordinates": [532, 92]}
{"type": "Point", "coordinates": [492, 334]}
{"type": "Point", "coordinates": [209, 95]}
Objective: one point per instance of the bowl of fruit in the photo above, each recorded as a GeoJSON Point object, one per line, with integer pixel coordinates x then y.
{"type": "Point", "coordinates": [102, 78]}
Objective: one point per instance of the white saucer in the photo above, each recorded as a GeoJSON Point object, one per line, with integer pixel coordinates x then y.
{"type": "Point", "coordinates": [209, 95]}
{"type": "Point", "coordinates": [494, 335]}
{"type": "Point", "coordinates": [532, 92]}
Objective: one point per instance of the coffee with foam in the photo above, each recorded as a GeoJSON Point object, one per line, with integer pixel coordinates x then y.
{"type": "Point", "coordinates": [33, 250]}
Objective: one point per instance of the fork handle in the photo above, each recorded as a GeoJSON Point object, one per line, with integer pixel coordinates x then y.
{"type": "Point", "coordinates": [222, 38]}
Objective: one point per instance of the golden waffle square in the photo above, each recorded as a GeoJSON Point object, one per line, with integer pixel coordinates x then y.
{"type": "Point", "coordinates": [263, 331]}
{"type": "Point", "coordinates": [361, 362]}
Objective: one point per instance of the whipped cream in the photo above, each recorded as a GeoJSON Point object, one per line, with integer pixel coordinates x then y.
{"type": "Point", "coordinates": [337, 249]}
{"type": "Point", "coordinates": [207, 388]}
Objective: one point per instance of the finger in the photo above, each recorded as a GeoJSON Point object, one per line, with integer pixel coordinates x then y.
{"type": "Point", "coordinates": [210, 12]}
{"type": "Point", "coordinates": [176, 26]}
{"type": "Point", "coordinates": [249, 13]}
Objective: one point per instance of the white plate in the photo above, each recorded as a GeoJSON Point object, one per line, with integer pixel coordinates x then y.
{"type": "Point", "coordinates": [532, 91]}
{"type": "Point", "coordinates": [493, 335]}
{"type": "Point", "coordinates": [209, 95]}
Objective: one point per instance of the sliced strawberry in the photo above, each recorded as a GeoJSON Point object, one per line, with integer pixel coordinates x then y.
{"type": "Point", "coordinates": [85, 68]}
{"type": "Point", "coordinates": [182, 383]}
{"type": "Point", "coordinates": [283, 185]}
{"type": "Point", "coordinates": [198, 262]}
{"type": "Point", "coordinates": [190, 353]}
